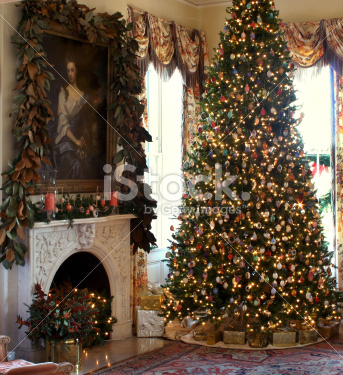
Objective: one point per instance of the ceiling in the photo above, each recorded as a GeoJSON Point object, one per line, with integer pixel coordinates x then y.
{"type": "Point", "coordinates": [207, 3]}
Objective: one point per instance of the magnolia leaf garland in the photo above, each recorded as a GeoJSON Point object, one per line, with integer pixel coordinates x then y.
{"type": "Point", "coordinates": [33, 111]}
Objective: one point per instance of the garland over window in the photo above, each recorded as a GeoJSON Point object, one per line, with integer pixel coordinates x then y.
{"type": "Point", "coordinates": [33, 113]}
{"type": "Point", "coordinates": [168, 46]}
{"type": "Point", "coordinates": [312, 43]}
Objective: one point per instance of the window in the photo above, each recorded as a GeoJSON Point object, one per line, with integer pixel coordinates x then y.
{"type": "Point", "coordinates": [164, 154]}
{"type": "Point", "coordinates": [314, 94]}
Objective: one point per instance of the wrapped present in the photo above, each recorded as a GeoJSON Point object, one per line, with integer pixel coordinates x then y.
{"type": "Point", "coordinates": [328, 329]}
{"type": "Point", "coordinates": [295, 324]}
{"type": "Point", "coordinates": [257, 340]}
{"type": "Point", "coordinates": [151, 302]}
{"type": "Point", "coordinates": [214, 337]}
{"type": "Point", "coordinates": [201, 331]}
{"type": "Point", "coordinates": [199, 336]}
{"type": "Point", "coordinates": [307, 336]}
{"type": "Point", "coordinates": [283, 337]}
{"type": "Point", "coordinates": [152, 297]}
{"type": "Point", "coordinates": [149, 323]}
{"type": "Point", "coordinates": [234, 337]}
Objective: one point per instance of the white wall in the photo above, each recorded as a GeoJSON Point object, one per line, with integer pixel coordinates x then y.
{"type": "Point", "coordinates": [8, 279]}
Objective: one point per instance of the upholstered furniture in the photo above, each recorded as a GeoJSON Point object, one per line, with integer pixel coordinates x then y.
{"type": "Point", "coordinates": [21, 367]}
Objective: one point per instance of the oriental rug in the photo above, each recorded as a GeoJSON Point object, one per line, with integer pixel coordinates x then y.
{"type": "Point", "coordinates": [178, 358]}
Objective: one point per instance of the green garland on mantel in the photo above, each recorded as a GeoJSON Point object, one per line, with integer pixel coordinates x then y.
{"type": "Point", "coordinates": [33, 114]}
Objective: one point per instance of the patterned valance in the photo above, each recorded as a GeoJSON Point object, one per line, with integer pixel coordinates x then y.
{"type": "Point", "coordinates": [169, 46]}
{"type": "Point", "coordinates": [314, 43]}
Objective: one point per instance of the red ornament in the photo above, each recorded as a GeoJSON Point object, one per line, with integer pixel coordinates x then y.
{"type": "Point", "coordinates": [68, 207]}
{"type": "Point", "coordinates": [200, 129]}
{"type": "Point", "coordinates": [179, 308]}
{"type": "Point", "coordinates": [254, 155]}
{"type": "Point", "coordinates": [210, 203]}
{"type": "Point", "coordinates": [213, 79]}
{"type": "Point", "coordinates": [102, 202]}
{"type": "Point", "coordinates": [87, 212]}
{"type": "Point", "coordinates": [230, 256]}
{"type": "Point", "coordinates": [222, 98]}
{"type": "Point", "coordinates": [268, 253]}
{"type": "Point", "coordinates": [210, 298]}
{"type": "Point", "coordinates": [317, 300]}
{"type": "Point", "coordinates": [199, 246]}
{"type": "Point", "coordinates": [253, 25]}
{"type": "Point", "coordinates": [279, 91]}
{"type": "Point", "coordinates": [91, 208]}
{"type": "Point", "coordinates": [213, 124]}
{"type": "Point", "coordinates": [263, 111]}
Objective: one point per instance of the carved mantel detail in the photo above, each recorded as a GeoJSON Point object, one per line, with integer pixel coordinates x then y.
{"type": "Point", "coordinates": [107, 238]}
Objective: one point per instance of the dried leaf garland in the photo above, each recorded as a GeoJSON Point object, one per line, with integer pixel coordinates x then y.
{"type": "Point", "coordinates": [33, 111]}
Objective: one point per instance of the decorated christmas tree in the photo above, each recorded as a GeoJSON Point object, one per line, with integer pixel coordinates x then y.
{"type": "Point", "coordinates": [250, 241]}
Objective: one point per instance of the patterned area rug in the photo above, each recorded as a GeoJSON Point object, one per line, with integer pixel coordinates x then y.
{"type": "Point", "coordinates": [178, 358]}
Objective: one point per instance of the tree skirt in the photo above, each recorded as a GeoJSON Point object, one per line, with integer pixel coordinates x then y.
{"type": "Point", "coordinates": [178, 358]}
{"type": "Point", "coordinates": [189, 340]}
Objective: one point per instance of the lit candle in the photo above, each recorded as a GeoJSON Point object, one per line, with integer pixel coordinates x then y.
{"type": "Point", "coordinates": [113, 201]}
{"type": "Point", "coordinates": [49, 202]}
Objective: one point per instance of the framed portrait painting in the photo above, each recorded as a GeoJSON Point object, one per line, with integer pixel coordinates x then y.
{"type": "Point", "coordinates": [82, 137]}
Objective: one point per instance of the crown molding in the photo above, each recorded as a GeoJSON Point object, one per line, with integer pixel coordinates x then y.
{"type": "Point", "coordinates": [205, 4]}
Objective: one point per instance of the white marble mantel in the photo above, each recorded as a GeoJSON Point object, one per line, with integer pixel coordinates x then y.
{"type": "Point", "coordinates": [49, 245]}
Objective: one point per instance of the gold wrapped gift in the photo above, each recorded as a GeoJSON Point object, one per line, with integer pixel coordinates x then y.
{"type": "Point", "coordinates": [307, 336]}
{"type": "Point", "coordinates": [234, 337]}
{"type": "Point", "coordinates": [199, 336]}
{"type": "Point", "coordinates": [328, 330]}
{"type": "Point", "coordinates": [214, 337]}
{"type": "Point", "coordinates": [151, 302]}
{"type": "Point", "coordinates": [283, 338]}
{"type": "Point", "coordinates": [257, 340]}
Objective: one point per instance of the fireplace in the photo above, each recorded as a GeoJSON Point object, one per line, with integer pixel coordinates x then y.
{"type": "Point", "coordinates": [83, 270]}
{"type": "Point", "coordinates": [51, 245]}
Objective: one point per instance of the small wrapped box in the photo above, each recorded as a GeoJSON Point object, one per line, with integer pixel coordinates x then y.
{"type": "Point", "coordinates": [151, 302]}
{"type": "Point", "coordinates": [149, 324]}
{"type": "Point", "coordinates": [258, 340]}
{"type": "Point", "coordinates": [328, 330]}
{"type": "Point", "coordinates": [234, 337]}
{"type": "Point", "coordinates": [307, 336]}
{"type": "Point", "coordinates": [214, 337]}
{"type": "Point", "coordinates": [283, 338]}
{"type": "Point", "coordinates": [200, 336]}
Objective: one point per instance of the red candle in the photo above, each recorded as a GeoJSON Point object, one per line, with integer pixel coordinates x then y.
{"type": "Point", "coordinates": [113, 201]}
{"type": "Point", "coordinates": [49, 202]}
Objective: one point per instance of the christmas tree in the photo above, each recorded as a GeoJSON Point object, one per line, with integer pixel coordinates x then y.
{"type": "Point", "coordinates": [250, 240]}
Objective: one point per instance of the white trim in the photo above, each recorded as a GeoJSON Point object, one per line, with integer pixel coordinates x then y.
{"type": "Point", "coordinates": [205, 4]}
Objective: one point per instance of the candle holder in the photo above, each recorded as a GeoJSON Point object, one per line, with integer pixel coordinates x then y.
{"type": "Point", "coordinates": [49, 193]}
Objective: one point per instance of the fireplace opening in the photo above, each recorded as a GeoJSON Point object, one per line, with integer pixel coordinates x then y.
{"type": "Point", "coordinates": [84, 271]}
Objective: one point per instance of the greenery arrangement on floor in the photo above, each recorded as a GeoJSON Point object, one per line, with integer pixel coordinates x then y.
{"type": "Point", "coordinates": [67, 313]}
{"type": "Point", "coordinates": [33, 113]}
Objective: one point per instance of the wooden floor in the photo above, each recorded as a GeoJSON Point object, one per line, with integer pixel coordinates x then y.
{"type": "Point", "coordinates": [117, 351]}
